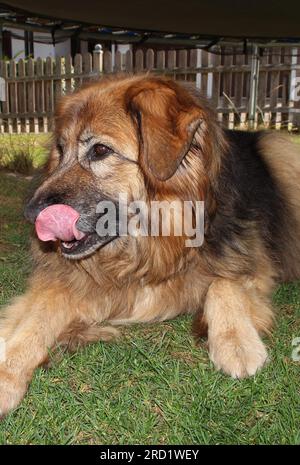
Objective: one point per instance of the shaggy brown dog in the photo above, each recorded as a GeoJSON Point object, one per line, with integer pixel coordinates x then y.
{"type": "Point", "coordinates": [155, 139]}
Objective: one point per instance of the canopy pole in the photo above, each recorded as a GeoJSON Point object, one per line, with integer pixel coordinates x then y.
{"type": "Point", "coordinates": [253, 86]}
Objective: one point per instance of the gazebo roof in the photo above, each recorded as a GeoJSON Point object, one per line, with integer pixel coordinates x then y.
{"type": "Point", "coordinates": [193, 22]}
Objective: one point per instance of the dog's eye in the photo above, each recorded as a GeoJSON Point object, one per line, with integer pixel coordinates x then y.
{"type": "Point", "coordinates": [100, 151]}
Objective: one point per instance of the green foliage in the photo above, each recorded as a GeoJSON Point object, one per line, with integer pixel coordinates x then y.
{"type": "Point", "coordinates": [22, 153]}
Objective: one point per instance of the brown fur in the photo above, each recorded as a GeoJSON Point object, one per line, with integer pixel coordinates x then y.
{"type": "Point", "coordinates": [282, 156]}
{"type": "Point", "coordinates": [175, 150]}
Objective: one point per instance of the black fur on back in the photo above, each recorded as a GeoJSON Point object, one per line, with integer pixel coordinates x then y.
{"type": "Point", "coordinates": [247, 196]}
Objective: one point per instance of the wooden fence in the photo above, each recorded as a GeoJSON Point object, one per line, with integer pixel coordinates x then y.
{"type": "Point", "coordinates": [32, 87]}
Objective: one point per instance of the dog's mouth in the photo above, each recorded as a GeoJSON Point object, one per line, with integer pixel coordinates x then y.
{"type": "Point", "coordinates": [84, 247]}
{"type": "Point", "coordinates": [58, 222]}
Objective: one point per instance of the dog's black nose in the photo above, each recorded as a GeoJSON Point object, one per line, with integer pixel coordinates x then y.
{"type": "Point", "coordinates": [31, 211]}
{"type": "Point", "coordinates": [36, 205]}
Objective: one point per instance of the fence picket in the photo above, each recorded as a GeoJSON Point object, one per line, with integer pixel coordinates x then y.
{"type": "Point", "coordinates": [118, 62]}
{"type": "Point", "coordinates": [87, 64]}
{"type": "Point", "coordinates": [107, 62]}
{"type": "Point", "coordinates": [274, 87]}
{"type": "Point", "coordinates": [5, 104]}
{"type": "Point", "coordinates": [58, 83]}
{"type": "Point", "coordinates": [129, 61]}
{"type": "Point", "coordinates": [21, 89]}
{"type": "Point", "coordinates": [215, 61]}
{"type": "Point", "coordinates": [139, 61]}
{"type": "Point", "coordinates": [262, 88]}
{"type": "Point", "coordinates": [40, 95]}
{"type": "Point", "coordinates": [77, 70]}
{"type": "Point", "coordinates": [31, 93]}
{"type": "Point", "coordinates": [182, 64]}
{"type": "Point", "coordinates": [204, 73]}
{"type": "Point", "coordinates": [13, 96]}
{"type": "Point", "coordinates": [69, 72]}
{"type": "Point", "coordinates": [49, 91]}
{"type": "Point", "coordinates": [161, 61]}
{"type": "Point", "coordinates": [150, 59]}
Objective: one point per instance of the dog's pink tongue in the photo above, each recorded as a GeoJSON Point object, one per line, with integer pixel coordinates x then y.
{"type": "Point", "coordinates": [58, 222]}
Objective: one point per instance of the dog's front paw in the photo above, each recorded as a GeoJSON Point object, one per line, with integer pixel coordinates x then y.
{"type": "Point", "coordinates": [12, 391]}
{"type": "Point", "coordinates": [238, 356]}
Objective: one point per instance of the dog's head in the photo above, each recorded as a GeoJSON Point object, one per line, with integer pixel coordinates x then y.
{"type": "Point", "coordinates": [123, 135]}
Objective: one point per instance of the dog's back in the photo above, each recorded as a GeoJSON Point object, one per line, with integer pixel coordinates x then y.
{"type": "Point", "coordinates": [282, 157]}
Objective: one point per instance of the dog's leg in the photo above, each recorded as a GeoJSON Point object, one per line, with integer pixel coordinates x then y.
{"type": "Point", "coordinates": [81, 333]}
{"type": "Point", "coordinates": [234, 343]}
{"type": "Point", "coordinates": [28, 328]}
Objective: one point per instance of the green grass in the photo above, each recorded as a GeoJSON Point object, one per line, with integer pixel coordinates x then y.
{"type": "Point", "coordinates": [22, 153]}
{"type": "Point", "coordinates": [154, 386]}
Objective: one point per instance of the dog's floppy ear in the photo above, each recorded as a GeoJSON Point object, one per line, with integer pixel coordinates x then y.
{"type": "Point", "coordinates": [167, 118]}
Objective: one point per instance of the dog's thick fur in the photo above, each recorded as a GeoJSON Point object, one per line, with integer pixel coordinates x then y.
{"type": "Point", "coordinates": [168, 146]}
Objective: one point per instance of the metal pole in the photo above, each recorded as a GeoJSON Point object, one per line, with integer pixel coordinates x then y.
{"type": "Point", "coordinates": [1, 42]}
{"type": "Point", "coordinates": [253, 86]}
{"type": "Point", "coordinates": [98, 59]}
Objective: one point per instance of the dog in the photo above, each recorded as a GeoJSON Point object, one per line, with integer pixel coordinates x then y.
{"type": "Point", "coordinates": [154, 139]}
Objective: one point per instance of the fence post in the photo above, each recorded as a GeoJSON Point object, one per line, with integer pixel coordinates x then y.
{"type": "Point", "coordinates": [98, 60]}
{"type": "Point", "coordinates": [1, 42]}
{"type": "Point", "coordinates": [253, 86]}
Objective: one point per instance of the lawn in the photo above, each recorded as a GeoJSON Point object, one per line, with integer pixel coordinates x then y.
{"type": "Point", "coordinates": [154, 386]}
